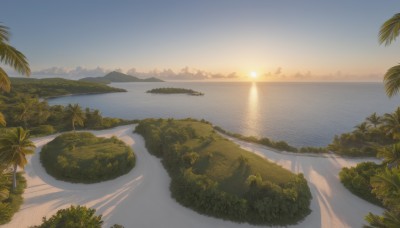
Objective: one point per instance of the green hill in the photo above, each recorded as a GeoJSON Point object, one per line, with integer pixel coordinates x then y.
{"type": "Point", "coordinates": [118, 77]}
{"type": "Point", "coordinates": [216, 177]}
{"type": "Point", "coordinates": [51, 87]}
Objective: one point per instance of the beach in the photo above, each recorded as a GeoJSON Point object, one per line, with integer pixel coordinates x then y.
{"type": "Point", "coordinates": [142, 198]}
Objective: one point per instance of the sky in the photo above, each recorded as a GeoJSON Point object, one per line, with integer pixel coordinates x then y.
{"type": "Point", "coordinates": [285, 40]}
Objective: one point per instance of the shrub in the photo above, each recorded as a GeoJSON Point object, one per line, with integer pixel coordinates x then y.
{"type": "Point", "coordinates": [357, 180]}
{"type": "Point", "coordinates": [82, 157]}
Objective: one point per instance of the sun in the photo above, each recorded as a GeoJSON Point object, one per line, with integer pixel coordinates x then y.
{"type": "Point", "coordinates": [253, 74]}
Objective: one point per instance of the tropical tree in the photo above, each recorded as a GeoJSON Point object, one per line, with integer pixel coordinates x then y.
{"type": "Point", "coordinates": [374, 119]}
{"type": "Point", "coordinates": [388, 33]}
{"type": "Point", "coordinates": [75, 115]}
{"type": "Point", "coordinates": [386, 186]}
{"type": "Point", "coordinates": [362, 128]}
{"type": "Point", "coordinates": [392, 123]}
{"type": "Point", "coordinates": [74, 216]}
{"type": "Point", "coordinates": [13, 58]}
{"type": "Point", "coordinates": [24, 112]}
{"type": "Point", "coordinates": [391, 156]}
{"type": "Point", "coordinates": [14, 146]}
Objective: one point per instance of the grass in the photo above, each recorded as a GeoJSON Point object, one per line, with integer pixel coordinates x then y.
{"type": "Point", "coordinates": [214, 176]}
{"type": "Point", "coordinates": [10, 206]}
{"type": "Point", "coordinates": [85, 158]}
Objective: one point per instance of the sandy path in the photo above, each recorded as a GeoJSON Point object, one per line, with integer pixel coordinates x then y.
{"type": "Point", "coordinates": [141, 198]}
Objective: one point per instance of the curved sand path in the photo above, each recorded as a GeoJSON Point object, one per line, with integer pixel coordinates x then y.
{"type": "Point", "coordinates": [142, 199]}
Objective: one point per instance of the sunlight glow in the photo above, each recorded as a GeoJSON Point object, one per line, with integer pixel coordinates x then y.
{"type": "Point", "coordinates": [253, 74]}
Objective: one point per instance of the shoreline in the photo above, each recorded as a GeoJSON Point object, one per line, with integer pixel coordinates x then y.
{"type": "Point", "coordinates": [141, 198]}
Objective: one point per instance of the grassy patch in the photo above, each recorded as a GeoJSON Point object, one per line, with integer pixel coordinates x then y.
{"type": "Point", "coordinates": [11, 205]}
{"type": "Point", "coordinates": [214, 176]}
{"type": "Point", "coordinates": [85, 158]}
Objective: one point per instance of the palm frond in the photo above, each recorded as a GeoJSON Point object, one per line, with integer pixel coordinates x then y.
{"type": "Point", "coordinates": [2, 120]}
{"type": "Point", "coordinates": [392, 81]}
{"type": "Point", "coordinates": [14, 58]}
{"type": "Point", "coordinates": [4, 34]}
{"type": "Point", "coordinates": [5, 83]}
{"type": "Point", "coordinates": [390, 30]}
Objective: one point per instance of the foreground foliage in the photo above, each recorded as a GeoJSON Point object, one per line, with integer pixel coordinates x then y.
{"type": "Point", "coordinates": [10, 200]}
{"type": "Point", "coordinates": [214, 176]}
{"type": "Point", "coordinates": [368, 137]}
{"type": "Point", "coordinates": [357, 180]}
{"type": "Point", "coordinates": [83, 157]}
{"type": "Point", "coordinates": [74, 217]}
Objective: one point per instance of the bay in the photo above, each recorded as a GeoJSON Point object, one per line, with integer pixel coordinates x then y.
{"type": "Point", "coordinates": [303, 114]}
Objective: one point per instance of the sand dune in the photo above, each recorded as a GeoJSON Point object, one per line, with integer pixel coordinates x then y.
{"type": "Point", "coordinates": [142, 199]}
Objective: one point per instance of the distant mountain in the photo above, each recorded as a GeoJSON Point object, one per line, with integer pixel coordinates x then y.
{"type": "Point", "coordinates": [118, 77]}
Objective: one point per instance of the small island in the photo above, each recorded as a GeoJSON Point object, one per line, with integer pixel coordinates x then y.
{"type": "Point", "coordinates": [170, 90]}
{"type": "Point", "coordinates": [84, 158]}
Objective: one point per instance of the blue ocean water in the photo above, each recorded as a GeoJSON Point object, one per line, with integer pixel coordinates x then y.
{"type": "Point", "coordinates": [303, 114]}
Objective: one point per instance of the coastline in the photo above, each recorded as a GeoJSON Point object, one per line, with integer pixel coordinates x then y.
{"type": "Point", "coordinates": [142, 197]}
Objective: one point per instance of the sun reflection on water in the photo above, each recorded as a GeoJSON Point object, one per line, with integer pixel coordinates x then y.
{"type": "Point", "coordinates": [252, 111]}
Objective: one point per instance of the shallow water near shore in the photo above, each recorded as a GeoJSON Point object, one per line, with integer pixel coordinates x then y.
{"type": "Point", "coordinates": [303, 114]}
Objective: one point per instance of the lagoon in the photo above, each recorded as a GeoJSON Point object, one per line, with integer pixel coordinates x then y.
{"type": "Point", "coordinates": [303, 114]}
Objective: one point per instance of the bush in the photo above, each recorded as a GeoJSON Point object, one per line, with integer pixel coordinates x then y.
{"type": "Point", "coordinates": [43, 130]}
{"type": "Point", "coordinates": [85, 158]}
{"type": "Point", "coordinates": [10, 205]}
{"type": "Point", "coordinates": [75, 216]}
{"type": "Point", "coordinates": [357, 180]}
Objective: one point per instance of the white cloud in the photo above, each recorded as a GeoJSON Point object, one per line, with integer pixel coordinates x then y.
{"type": "Point", "coordinates": [76, 73]}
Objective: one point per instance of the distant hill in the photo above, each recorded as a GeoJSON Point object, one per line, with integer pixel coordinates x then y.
{"type": "Point", "coordinates": [118, 77]}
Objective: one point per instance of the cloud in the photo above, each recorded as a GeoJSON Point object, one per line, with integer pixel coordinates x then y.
{"type": "Point", "coordinates": [76, 73]}
{"type": "Point", "coordinates": [185, 73]}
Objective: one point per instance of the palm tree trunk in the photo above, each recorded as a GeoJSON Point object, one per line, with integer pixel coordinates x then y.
{"type": "Point", "coordinates": [14, 184]}
{"type": "Point", "coordinates": [73, 125]}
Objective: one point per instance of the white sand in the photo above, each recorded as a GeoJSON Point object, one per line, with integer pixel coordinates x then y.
{"type": "Point", "coordinates": [142, 199]}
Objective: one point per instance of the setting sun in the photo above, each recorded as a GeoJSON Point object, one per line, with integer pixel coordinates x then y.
{"type": "Point", "coordinates": [253, 74]}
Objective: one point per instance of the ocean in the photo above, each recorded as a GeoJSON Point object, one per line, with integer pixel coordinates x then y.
{"type": "Point", "coordinates": [303, 114]}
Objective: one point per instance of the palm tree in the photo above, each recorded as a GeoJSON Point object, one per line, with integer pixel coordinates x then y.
{"type": "Point", "coordinates": [391, 156]}
{"type": "Point", "coordinates": [25, 112]}
{"type": "Point", "coordinates": [362, 128]}
{"type": "Point", "coordinates": [388, 33]}
{"type": "Point", "coordinates": [386, 186]}
{"type": "Point", "coordinates": [2, 120]}
{"type": "Point", "coordinates": [389, 219]}
{"type": "Point", "coordinates": [12, 57]}
{"type": "Point", "coordinates": [392, 123]}
{"type": "Point", "coordinates": [14, 146]}
{"type": "Point", "coordinates": [75, 115]}
{"type": "Point", "coordinates": [374, 119]}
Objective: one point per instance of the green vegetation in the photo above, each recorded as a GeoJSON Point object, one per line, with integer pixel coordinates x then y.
{"type": "Point", "coordinates": [12, 57]}
{"type": "Point", "coordinates": [79, 216]}
{"type": "Point", "coordinates": [118, 77]}
{"type": "Point", "coordinates": [74, 216]}
{"type": "Point", "coordinates": [170, 90]}
{"type": "Point", "coordinates": [368, 137]}
{"type": "Point", "coordinates": [357, 180]}
{"type": "Point", "coordinates": [278, 145]}
{"type": "Point", "coordinates": [53, 87]}
{"type": "Point", "coordinates": [10, 200]}
{"type": "Point", "coordinates": [43, 119]}
{"type": "Point", "coordinates": [14, 147]}
{"type": "Point", "coordinates": [214, 176]}
{"type": "Point", "coordinates": [85, 158]}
